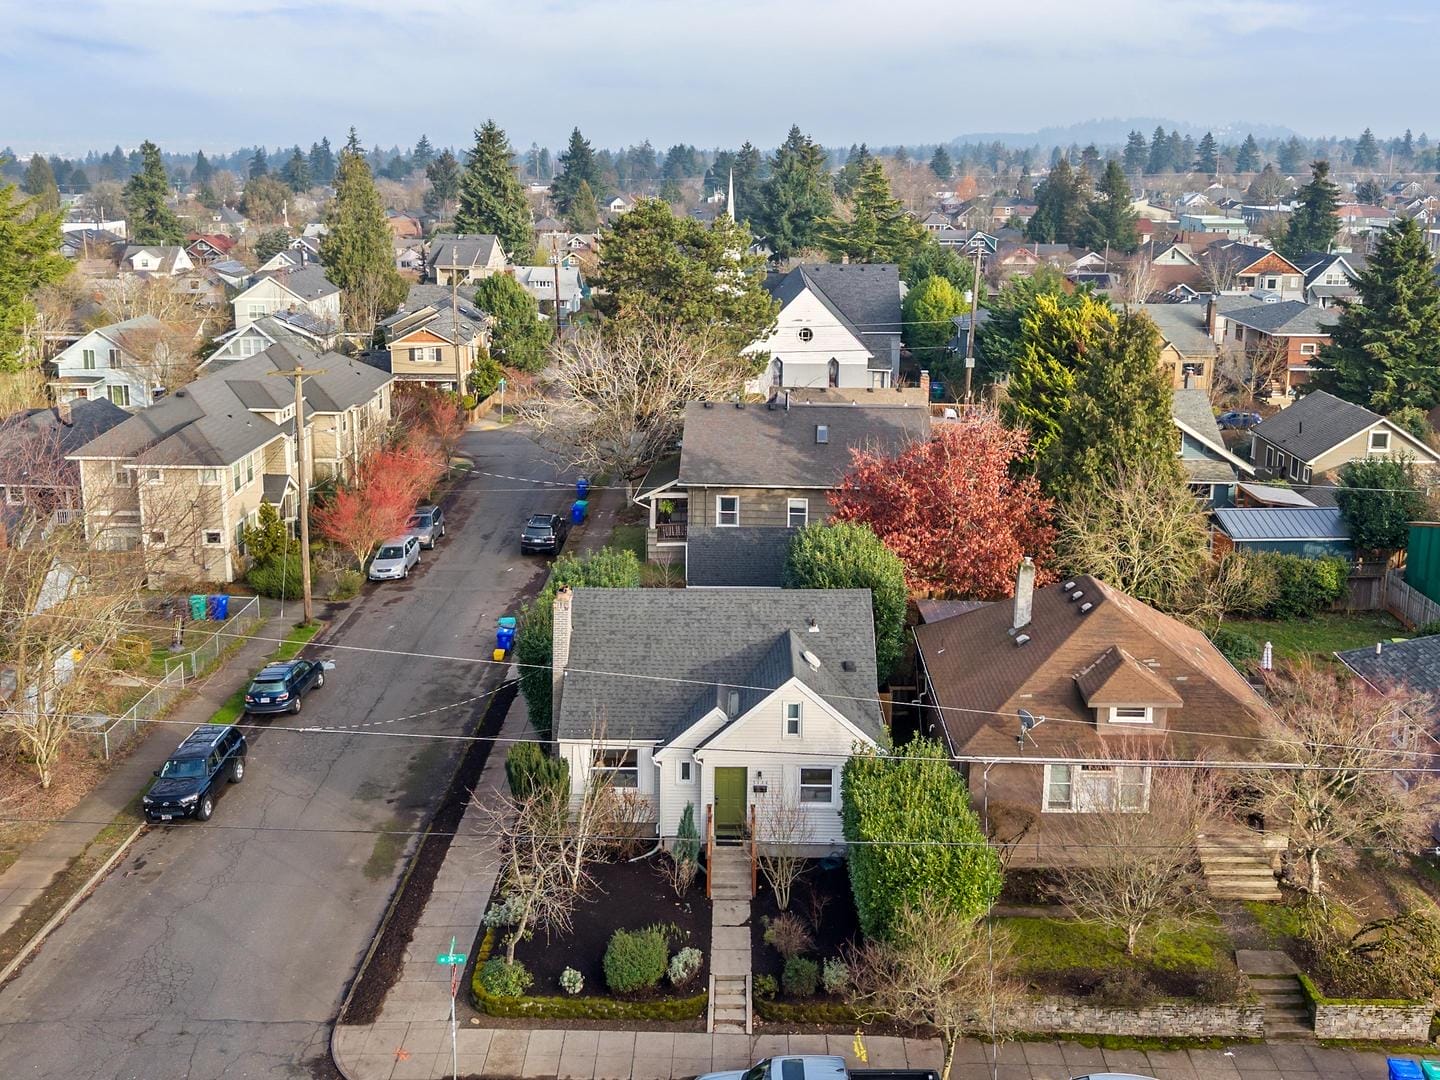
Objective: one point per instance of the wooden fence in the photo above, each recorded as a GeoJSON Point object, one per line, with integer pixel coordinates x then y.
{"type": "Point", "coordinates": [1409, 605]}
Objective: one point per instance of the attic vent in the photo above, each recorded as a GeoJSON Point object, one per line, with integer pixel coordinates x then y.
{"type": "Point", "coordinates": [1068, 586]}
{"type": "Point", "coordinates": [1077, 594]}
{"type": "Point", "coordinates": [811, 659]}
{"type": "Point", "coordinates": [1022, 639]}
{"type": "Point", "coordinates": [1086, 606]}
{"type": "Point", "coordinates": [732, 704]}
{"type": "Point", "coordinates": [847, 665]}
{"type": "Point", "coordinates": [707, 404]}
{"type": "Point", "coordinates": [822, 433]}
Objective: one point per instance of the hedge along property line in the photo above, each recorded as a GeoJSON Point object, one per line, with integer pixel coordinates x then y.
{"type": "Point", "coordinates": [1372, 1019]}
{"type": "Point", "coordinates": [579, 1008]}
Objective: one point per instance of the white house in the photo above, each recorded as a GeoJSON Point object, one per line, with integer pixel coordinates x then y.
{"type": "Point", "coordinates": [297, 328]}
{"type": "Point", "coordinates": [307, 290]}
{"type": "Point", "coordinates": [163, 261]}
{"type": "Point", "coordinates": [539, 282]}
{"type": "Point", "coordinates": [113, 362]}
{"type": "Point", "coordinates": [736, 702]}
{"type": "Point", "coordinates": [839, 326]}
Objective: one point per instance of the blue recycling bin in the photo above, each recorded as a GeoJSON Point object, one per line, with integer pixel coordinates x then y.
{"type": "Point", "coordinates": [197, 607]}
{"type": "Point", "coordinates": [582, 488]}
{"type": "Point", "coordinates": [219, 607]}
{"type": "Point", "coordinates": [1404, 1069]}
{"type": "Point", "coordinates": [578, 510]}
{"type": "Point", "coordinates": [504, 638]}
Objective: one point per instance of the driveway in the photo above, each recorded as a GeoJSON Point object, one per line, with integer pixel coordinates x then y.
{"type": "Point", "coordinates": [224, 949]}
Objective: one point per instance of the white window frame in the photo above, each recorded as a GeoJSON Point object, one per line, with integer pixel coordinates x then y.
{"type": "Point", "coordinates": [154, 476]}
{"type": "Point", "coordinates": [14, 496]}
{"type": "Point", "coordinates": [1294, 468]}
{"type": "Point", "coordinates": [112, 358]}
{"type": "Point", "coordinates": [721, 512]}
{"type": "Point", "coordinates": [219, 538]}
{"type": "Point", "coordinates": [210, 477]}
{"type": "Point", "coordinates": [794, 711]}
{"type": "Point", "coordinates": [791, 505]}
{"type": "Point", "coordinates": [1145, 715]}
{"type": "Point", "coordinates": [1054, 780]}
{"type": "Point", "coordinates": [120, 391]}
{"type": "Point", "coordinates": [249, 468]}
{"type": "Point", "coordinates": [237, 470]}
{"type": "Point", "coordinates": [813, 787]}
{"type": "Point", "coordinates": [1122, 778]}
{"type": "Point", "coordinates": [685, 772]}
{"type": "Point", "coordinates": [619, 771]}
{"type": "Point", "coordinates": [87, 359]}
{"type": "Point", "coordinates": [1384, 447]}
{"type": "Point", "coordinates": [1309, 348]}
{"type": "Point", "coordinates": [124, 477]}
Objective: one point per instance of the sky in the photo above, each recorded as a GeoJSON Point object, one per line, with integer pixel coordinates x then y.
{"type": "Point", "coordinates": [217, 74]}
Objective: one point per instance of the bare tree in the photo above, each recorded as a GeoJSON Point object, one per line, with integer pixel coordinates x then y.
{"type": "Point", "coordinates": [1139, 279]}
{"type": "Point", "coordinates": [1346, 737]}
{"type": "Point", "coordinates": [1255, 371]}
{"type": "Point", "coordinates": [1219, 267]}
{"type": "Point", "coordinates": [616, 399]}
{"type": "Point", "coordinates": [1139, 867]}
{"type": "Point", "coordinates": [937, 971]}
{"type": "Point", "coordinates": [782, 833]}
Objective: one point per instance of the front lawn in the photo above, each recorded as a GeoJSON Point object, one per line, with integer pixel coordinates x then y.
{"type": "Point", "coordinates": [1320, 635]}
{"type": "Point", "coordinates": [629, 537]}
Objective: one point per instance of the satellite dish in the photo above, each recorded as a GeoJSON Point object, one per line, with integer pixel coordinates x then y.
{"type": "Point", "coordinates": [1028, 722]}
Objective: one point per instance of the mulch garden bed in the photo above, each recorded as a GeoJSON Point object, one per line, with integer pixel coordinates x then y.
{"type": "Point", "coordinates": [822, 900]}
{"type": "Point", "coordinates": [628, 896]}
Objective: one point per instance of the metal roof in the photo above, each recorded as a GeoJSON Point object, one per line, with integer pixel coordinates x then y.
{"type": "Point", "coordinates": [1283, 523]}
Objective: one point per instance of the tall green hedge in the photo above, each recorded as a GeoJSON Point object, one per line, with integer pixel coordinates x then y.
{"type": "Point", "coordinates": [528, 768]}
{"type": "Point", "coordinates": [911, 831]}
{"type": "Point", "coordinates": [607, 568]}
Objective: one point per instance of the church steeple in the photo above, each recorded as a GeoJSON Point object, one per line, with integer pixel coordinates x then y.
{"type": "Point", "coordinates": [730, 199]}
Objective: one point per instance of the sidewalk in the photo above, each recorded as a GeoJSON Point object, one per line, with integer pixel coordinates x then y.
{"type": "Point", "coordinates": [604, 509]}
{"type": "Point", "coordinates": [26, 878]}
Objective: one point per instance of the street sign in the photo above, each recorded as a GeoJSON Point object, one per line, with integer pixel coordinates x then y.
{"type": "Point", "coordinates": [502, 384]}
{"type": "Point", "coordinates": [456, 958]}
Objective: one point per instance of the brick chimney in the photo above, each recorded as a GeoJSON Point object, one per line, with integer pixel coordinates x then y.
{"type": "Point", "coordinates": [1212, 311]}
{"type": "Point", "coordinates": [925, 384]}
{"type": "Point", "coordinates": [559, 647]}
{"type": "Point", "coordinates": [1024, 594]}
{"type": "Point", "coordinates": [63, 412]}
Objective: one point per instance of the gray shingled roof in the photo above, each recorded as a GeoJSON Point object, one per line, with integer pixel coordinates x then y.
{"type": "Point", "coordinates": [1314, 424]}
{"type": "Point", "coordinates": [88, 418]}
{"type": "Point", "coordinates": [1413, 664]}
{"type": "Point", "coordinates": [772, 446]}
{"type": "Point", "coordinates": [308, 283]}
{"type": "Point", "coordinates": [466, 251]}
{"type": "Point", "coordinates": [699, 644]}
{"type": "Point", "coordinates": [1283, 523]}
{"type": "Point", "coordinates": [1283, 318]}
{"type": "Point", "coordinates": [1183, 326]}
{"type": "Point", "coordinates": [865, 297]}
{"type": "Point", "coordinates": [746, 556]}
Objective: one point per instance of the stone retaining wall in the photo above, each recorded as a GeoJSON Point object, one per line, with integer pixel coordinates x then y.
{"type": "Point", "coordinates": [1381, 1023]}
{"type": "Point", "coordinates": [1163, 1021]}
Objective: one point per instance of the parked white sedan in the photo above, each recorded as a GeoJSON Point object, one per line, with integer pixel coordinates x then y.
{"type": "Point", "coordinates": [395, 558]}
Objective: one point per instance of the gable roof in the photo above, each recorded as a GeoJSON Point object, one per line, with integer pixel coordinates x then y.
{"type": "Point", "coordinates": [697, 645]}
{"type": "Point", "coordinates": [1117, 678]}
{"type": "Point", "coordinates": [981, 678]}
{"type": "Point", "coordinates": [1191, 411]}
{"type": "Point", "coordinates": [1284, 318]}
{"type": "Point", "coordinates": [87, 419]}
{"type": "Point", "coordinates": [1413, 664]}
{"type": "Point", "coordinates": [750, 556]}
{"type": "Point", "coordinates": [1280, 523]}
{"type": "Point", "coordinates": [306, 282]}
{"type": "Point", "coordinates": [1317, 422]}
{"type": "Point", "coordinates": [452, 251]}
{"type": "Point", "coordinates": [863, 297]}
{"type": "Point", "coordinates": [772, 446]}
{"type": "Point", "coordinates": [1183, 326]}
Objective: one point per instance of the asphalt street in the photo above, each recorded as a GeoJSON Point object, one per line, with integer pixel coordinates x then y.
{"type": "Point", "coordinates": [224, 949]}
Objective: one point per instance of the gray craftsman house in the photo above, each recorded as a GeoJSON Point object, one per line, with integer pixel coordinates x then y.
{"type": "Point", "coordinates": [747, 475]}
{"type": "Point", "coordinates": [735, 702]}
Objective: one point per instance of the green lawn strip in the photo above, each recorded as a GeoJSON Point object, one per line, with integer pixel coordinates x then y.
{"type": "Point", "coordinates": [629, 538]}
{"type": "Point", "coordinates": [1319, 635]}
{"type": "Point", "coordinates": [234, 706]}
{"type": "Point", "coordinates": [1043, 945]}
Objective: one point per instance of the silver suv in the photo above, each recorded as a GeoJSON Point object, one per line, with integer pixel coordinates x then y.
{"type": "Point", "coordinates": [427, 523]}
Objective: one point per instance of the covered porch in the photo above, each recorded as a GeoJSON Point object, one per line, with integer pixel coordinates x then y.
{"type": "Point", "coordinates": [668, 512]}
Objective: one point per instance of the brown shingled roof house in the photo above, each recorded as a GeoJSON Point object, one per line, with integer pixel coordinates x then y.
{"type": "Point", "coordinates": [1104, 677]}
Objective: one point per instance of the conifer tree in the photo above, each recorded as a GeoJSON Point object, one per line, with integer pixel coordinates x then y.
{"type": "Point", "coordinates": [423, 154]}
{"type": "Point", "coordinates": [1137, 151]}
{"type": "Point", "coordinates": [29, 258]}
{"type": "Point", "coordinates": [1367, 151]}
{"type": "Point", "coordinates": [444, 176]}
{"type": "Point", "coordinates": [584, 213]}
{"type": "Point", "coordinates": [357, 249]}
{"type": "Point", "coordinates": [149, 218]}
{"type": "Point", "coordinates": [491, 198]}
{"type": "Point", "coordinates": [1110, 219]}
{"type": "Point", "coordinates": [203, 172]}
{"type": "Point", "coordinates": [797, 197]}
{"type": "Point", "coordinates": [941, 165]}
{"type": "Point", "coordinates": [1313, 225]}
{"type": "Point", "coordinates": [1248, 160]}
{"type": "Point", "coordinates": [1159, 159]}
{"type": "Point", "coordinates": [1059, 207]}
{"type": "Point", "coordinates": [577, 166]}
{"type": "Point", "coordinates": [1207, 155]}
{"type": "Point", "coordinates": [296, 172]}
{"type": "Point", "coordinates": [259, 164]}
{"type": "Point", "coordinates": [322, 162]}
{"type": "Point", "coordinates": [878, 230]}
{"type": "Point", "coordinates": [40, 185]}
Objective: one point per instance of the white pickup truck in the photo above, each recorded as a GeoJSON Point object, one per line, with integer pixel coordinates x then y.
{"type": "Point", "coordinates": [817, 1067]}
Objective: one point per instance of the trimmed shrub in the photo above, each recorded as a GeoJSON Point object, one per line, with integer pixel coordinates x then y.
{"type": "Point", "coordinates": [787, 935]}
{"type": "Point", "coordinates": [1306, 586]}
{"type": "Point", "coordinates": [502, 979]}
{"type": "Point", "coordinates": [684, 966]}
{"type": "Point", "coordinates": [636, 959]}
{"type": "Point", "coordinates": [571, 981]}
{"type": "Point", "coordinates": [529, 768]}
{"type": "Point", "coordinates": [1240, 649]}
{"type": "Point", "coordinates": [765, 986]}
{"type": "Point", "coordinates": [801, 977]}
{"type": "Point", "coordinates": [501, 914]}
{"type": "Point", "coordinates": [911, 830]}
{"type": "Point", "coordinates": [347, 585]}
{"type": "Point", "coordinates": [835, 976]}
{"type": "Point", "coordinates": [277, 576]}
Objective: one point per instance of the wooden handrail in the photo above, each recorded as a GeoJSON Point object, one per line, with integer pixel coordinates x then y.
{"type": "Point", "coordinates": [754, 854]}
{"type": "Point", "coordinates": [709, 847]}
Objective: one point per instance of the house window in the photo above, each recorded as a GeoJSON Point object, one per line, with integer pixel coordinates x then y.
{"type": "Point", "coordinates": [87, 359]}
{"type": "Point", "coordinates": [157, 537]}
{"type": "Point", "coordinates": [792, 719]}
{"type": "Point", "coordinates": [153, 476]}
{"type": "Point", "coordinates": [123, 476]}
{"type": "Point", "coordinates": [250, 468]}
{"type": "Point", "coordinates": [805, 334]}
{"type": "Point", "coordinates": [832, 373]}
{"type": "Point", "coordinates": [797, 513]}
{"type": "Point", "coordinates": [1129, 715]}
{"type": "Point", "coordinates": [1294, 468]}
{"type": "Point", "coordinates": [237, 475]}
{"type": "Point", "coordinates": [114, 358]}
{"type": "Point", "coordinates": [1193, 368]}
{"type": "Point", "coordinates": [1269, 457]}
{"type": "Point", "coordinates": [685, 772]}
{"type": "Point", "coordinates": [255, 311]}
{"type": "Point", "coordinates": [1309, 348]}
{"type": "Point", "coordinates": [1059, 788]}
{"type": "Point", "coordinates": [1305, 475]}
{"type": "Point", "coordinates": [249, 346]}
{"type": "Point", "coordinates": [14, 496]}
{"type": "Point", "coordinates": [120, 395]}
{"type": "Point", "coordinates": [1380, 440]}
{"type": "Point", "coordinates": [209, 477]}
{"type": "Point", "coordinates": [240, 538]}
{"type": "Point", "coordinates": [817, 785]}
{"type": "Point", "coordinates": [1132, 787]}
{"type": "Point", "coordinates": [1272, 283]}
{"type": "Point", "coordinates": [214, 538]}
{"type": "Point", "coordinates": [620, 767]}
{"type": "Point", "coordinates": [417, 355]}
{"type": "Point", "coordinates": [727, 510]}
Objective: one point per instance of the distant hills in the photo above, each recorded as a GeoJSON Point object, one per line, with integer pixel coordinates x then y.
{"type": "Point", "coordinates": [1111, 132]}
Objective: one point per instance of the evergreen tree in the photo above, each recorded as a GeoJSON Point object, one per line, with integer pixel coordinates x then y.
{"type": "Point", "coordinates": [1382, 351]}
{"type": "Point", "coordinates": [444, 176]}
{"type": "Point", "coordinates": [357, 249]}
{"type": "Point", "coordinates": [1367, 151]}
{"type": "Point", "coordinates": [203, 172]}
{"type": "Point", "coordinates": [79, 181]}
{"type": "Point", "coordinates": [929, 307]}
{"type": "Point", "coordinates": [1137, 152]}
{"type": "Point", "coordinates": [29, 258]}
{"type": "Point", "coordinates": [749, 165]}
{"type": "Point", "coordinates": [849, 175]}
{"type": "Point", "coordinates": [1090, 161]}
{"type": "Point", "coordinates": [322, 162]}
{"type": "Point", "coordinates": [1119, 418]}
{"type": "Point", "coordinates": [1182, 152]}
{"type": "Point", "coordinates": [296, 172]}
{"type": "Point", "coordinates": [519, 337]}
{"type": "Point", "coordinates": [259, 164]}
{"type": "Point", "coordinates": [902, 157]}
{"type": "Point", "coordinates": [423, 154]}
{"type": "Point", "coordinates": [717, 176]}
{"type": "Point", "coordinates": [1059, 207]}
{"type": "Point", "coordinates": [1159, 160]}
{"type": "Point", "coordinates": [1248, 159]}
{"type": "Point", "coordinates": [1291, 155]}
{"type": "Point", "coordinates": [1207, 156]}
{"type": "Point", "coordinates": [797, 197]}
{"type": "Point", "coordinates": [1369, 191]}
{"type": "Point", "coordinates": [577, 166]}
{"type": "Point", "coordinates": [491, 198]}
{"type": "Point", "coordinates": [878, 230]}
{"type": "Point", "coordinates": [1313, 225]}
{"type": "Point", "coordinates": [584, 213]}
{"type": "Point", "coordinates": [352, 144]}
{"type": "Point", "coordinates": [671, 192]}
{"type": "Point", "coordinates": [41, 186]}
{"type": "Point", "coordinates": [1406, 149]}
{"type": "Point", "coordinates": [681, 161]}
{"type": "Point", "coordinates": [1110, 219]}
{"type": "Point", "coordinates": [148, 216]}
{"type": "Point", "coordinates": [547, 164]}
{"type": "Point", "coordinates": [643, 164]}
{"type": "Point", "coordinates": [941, 165]}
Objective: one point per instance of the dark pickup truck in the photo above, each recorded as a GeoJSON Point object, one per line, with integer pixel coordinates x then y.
{"type": "Point", "coordinates": [817, 1067]}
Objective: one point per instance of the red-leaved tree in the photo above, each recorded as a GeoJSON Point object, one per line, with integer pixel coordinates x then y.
{"type": "Point", "coordinates": [953, 508]}
{"type": "Point", "coordinates": [378, 503]}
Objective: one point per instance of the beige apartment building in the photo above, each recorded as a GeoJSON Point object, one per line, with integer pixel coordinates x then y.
{"type": "Point", "coordinates": [182, 480]}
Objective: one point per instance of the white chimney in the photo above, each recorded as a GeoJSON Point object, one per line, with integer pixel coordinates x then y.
{"type": "Point", "coordinates": [559, 647]}
{"type": "Point", "coordinates": [1024, 593]}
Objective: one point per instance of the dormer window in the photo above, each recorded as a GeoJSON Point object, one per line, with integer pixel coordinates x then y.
{"type": "Point", "coordinates": [1131, 714]}
{"type": "Point", "coordinates": [1380, 441]}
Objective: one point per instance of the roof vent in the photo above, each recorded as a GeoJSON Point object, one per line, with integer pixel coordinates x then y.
{"type": "Point", "coordinates": [1068, 586]}
{"type": "Point", "coordinates": [739, 404]}
{"type": "Point", "coordinates": [1022, 639]}
{"type": "Point", "coordinates": [822, 433]}
{"type": "Point", "coordinates": [811, 659]}
{"type": "Point", "coordinates": [847, 665]}
{"type": "Point", "coordinates": [1077, 594]}
{"type": "Point", "coordinates": [707, 404]}
{"type": "Point", "coordinates": [812, 626]}
{"type": "Point", "coordinates": [1086, 606]}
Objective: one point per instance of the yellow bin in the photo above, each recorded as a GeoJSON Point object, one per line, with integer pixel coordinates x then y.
{"type": "Point", "coordinates": [498, 655]}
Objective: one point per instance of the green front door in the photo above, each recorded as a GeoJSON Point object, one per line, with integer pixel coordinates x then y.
{"type": "Point", "coordinates": [730, 802]}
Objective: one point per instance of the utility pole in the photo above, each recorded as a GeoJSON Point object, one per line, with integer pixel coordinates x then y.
{"type": "Point", "coordinates": [555, 262]}
{"type": "Point", "coordinates": [455, 333]}
{"type": "Point", "coordinates": [970, 333]}
{"type": "Point", "coordinates": [299, 374]}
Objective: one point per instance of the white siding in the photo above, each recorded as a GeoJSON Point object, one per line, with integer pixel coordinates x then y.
{"type": "Point", "coordinates": [579, 754]}
{"type": "Point", "coordinates": [806, 363]}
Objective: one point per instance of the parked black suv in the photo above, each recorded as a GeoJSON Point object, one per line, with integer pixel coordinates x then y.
{"type": "Point", "coordinates": [544, 533]}
{"type": "Point", "coordinates": [279, 687]}
{"type": "Point", "coordinates": [188, 784]}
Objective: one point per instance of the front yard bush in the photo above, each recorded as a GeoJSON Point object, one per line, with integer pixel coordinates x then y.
{"type": "Point", "coordinates": [835, 976]}
{"type": "Point", "coordinates": [801, 977]}
{"type": "Point", "coordinates": [636, 959]}
{"type": "Point", "coordinates": [1240, 649]}
{"type": "Point", "coordinates": [684, 966]}
{"type": "Point", "coordinates": [529, 768]}
{"type": "Point", "coordinates": [277, 576]}
{"type": "Point", "coordinates": [503, 979]}
{"type": "Point", "coordinates": [911, 830]}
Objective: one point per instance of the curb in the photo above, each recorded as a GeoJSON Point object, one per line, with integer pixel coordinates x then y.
{"type": "Point", "coordinates": [69, 906]}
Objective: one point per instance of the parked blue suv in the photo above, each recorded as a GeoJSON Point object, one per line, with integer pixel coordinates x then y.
{"type": "Point", "coordinates": [188, 784]}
